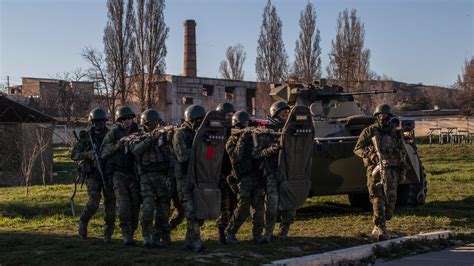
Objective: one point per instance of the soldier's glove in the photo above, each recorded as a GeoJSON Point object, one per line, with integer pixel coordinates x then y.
{"type": "Point", "coordinates": [274, 148]}
{"type": "Point", "coordinates": [90, 155]}
{"type": "Point", "coordinates": [120, 145]}
{"type": "Point", "coordinates": [372, 158]}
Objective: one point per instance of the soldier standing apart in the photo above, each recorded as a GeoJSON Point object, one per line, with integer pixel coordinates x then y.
{"type": "Point", "coordinates": [83, 151]}
{"type": "Point", "coordinates": [126, 185]}
{"type": "Point", "coordinates": [182, 146]}
{"type": "Point", "coordinates": [153, 160]}
{"type": "Point", "coordinates": [382, 185]}
{"type": "Point", "coordinates": [267, 147]}
{"type": "Point", "coordinates": [228, 198]}
{"type": "Point", "coordinates": [250, 183]}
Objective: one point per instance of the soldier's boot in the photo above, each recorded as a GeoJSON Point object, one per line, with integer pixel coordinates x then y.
{"type": "Point", "coordinates": [108, 232]}
{"type": "Point", "coordinates": [83, 229]}
{"type": "Point", "coordinates": [147, 242]}
{"type": "Point", "coordinates": [128, 240]}
{"type": "Point", "coordinates": [267, 237]}
{"type": "Point", "coordinates": [284, 231]}
{"type": "Point", "coordinates": [198, 246]}
{"type": "Point", "coordinates": [231, 238]}
{"type": "Point", "coordinates": [222, 236]}
{"type": "Point", "coordinates": [166, 239]}
{"type": "Point", "coordinates": [380, 233]}
{"type": "Point", "coordinates": [383, 235]}
{"type": "Point", "coordinates": [188, 243]}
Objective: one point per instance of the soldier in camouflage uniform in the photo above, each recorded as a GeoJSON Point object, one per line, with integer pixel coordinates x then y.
{"type": "Point", "coordinates": [82, 151]}
{"type": "Point", "coordinates": [228, 197]}
{"type": "Point", "coordinates": [121, 167]}
{"type": "Point", "coordinates": [267, 147]}
{"type": "Point", "coordinates": [391, 142]}
{"type": "Point", "coordinates": [154, 164]}
{"type": "Point", "coordinates": [182, 146]}
{"type": "Point", "coordinates": [251, 192]}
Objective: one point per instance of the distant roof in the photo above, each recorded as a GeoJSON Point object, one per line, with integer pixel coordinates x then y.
{"type": "Point", "coordinates": [11, 111]}
{"type": "Point", "coordinates": [42, 79]}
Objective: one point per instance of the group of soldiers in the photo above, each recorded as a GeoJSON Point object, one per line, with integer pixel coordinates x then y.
{"type": "Point", "coordinates": [140, 170]}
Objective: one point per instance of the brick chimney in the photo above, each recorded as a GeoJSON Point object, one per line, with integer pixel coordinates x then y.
{"type": "Point", "coordinates": [190, 67]}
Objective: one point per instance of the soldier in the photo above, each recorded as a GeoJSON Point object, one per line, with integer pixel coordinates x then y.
{"type": "Point", "coordinates": [228, 198]}
{"type": "Point", "coordinates": [182, 146]}
{"type": "Point", "coordinates": [121, 167]}
{"type": "Point", "coordinates": [247, 172]}
{"type": "Point", "coordinates": [83, 151]}
{"type": "Point", "coordinates": [267, 147]}
{"type": "Point", "coordinates": [154, 164]}
{"type": "Point", "coordinates": [382, 191]}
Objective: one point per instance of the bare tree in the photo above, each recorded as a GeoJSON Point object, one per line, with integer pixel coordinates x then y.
{"type": "Point", "coordinates": [307, 65]}
{"type": "Point", "coordinates": [118, 43]}
{"type": "Point", "coordinates": [272, 62]}
{"type": "Point", "coordinates": [232, 68]}
{"type": "Point", "coordinates": [349, 61]}
{"type": "Point", "coordinates": [104, 78]}
{"type": "Point", "coordinates": [69, 100]}
{"type": "Point", "coordinates": [150, 34]}
{"type": "Point", "coordinates": [30, 155]}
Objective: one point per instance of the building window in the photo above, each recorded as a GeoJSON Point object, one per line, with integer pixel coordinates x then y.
{"type": "Point", "coordinates": [207, 90]}
{"type": "Point", "coordinates": [229, 93]}
{"type": "Point", "coordinates": [250, 101]}
{"type": "Point", "coordinates": [187, 100]}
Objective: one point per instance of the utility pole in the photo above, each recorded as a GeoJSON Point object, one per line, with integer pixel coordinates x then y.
{"type": "Point", "coordinates": [8, 81]}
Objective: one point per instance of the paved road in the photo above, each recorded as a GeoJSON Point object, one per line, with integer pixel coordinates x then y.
{"type": "Point", "coordinates": [452, 257]}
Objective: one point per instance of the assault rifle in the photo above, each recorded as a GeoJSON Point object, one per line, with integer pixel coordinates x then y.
{"type": "Point", "coordinates": [95, 149]}
{"type": "Point", "coordinates": [381, 167]}
{"type": "Point", "coordinates": [76, 180]}
{"type": "Point", "coordinates": [141, 136]}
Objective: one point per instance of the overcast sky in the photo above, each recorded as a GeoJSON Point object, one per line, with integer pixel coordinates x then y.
{"type": "Point", "coordinates": [410, 40]}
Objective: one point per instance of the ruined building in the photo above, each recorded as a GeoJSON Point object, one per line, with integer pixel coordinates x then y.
{"type": "Point", "coordinates": [173, 93]}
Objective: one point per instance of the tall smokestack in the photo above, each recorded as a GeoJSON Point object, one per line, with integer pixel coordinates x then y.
{"type": "Point", "coordinates": [190, 67]}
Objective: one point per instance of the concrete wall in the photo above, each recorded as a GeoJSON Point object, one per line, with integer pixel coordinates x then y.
{"type": "Point", "coordinates": [17, 142]}
{"type": "Point", "coordinates": [423, 124]}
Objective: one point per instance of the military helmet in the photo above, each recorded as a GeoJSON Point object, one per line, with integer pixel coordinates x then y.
{"type": "Point", "coordinates": [225, 108]}
{"type": "Point", "coordinates": [278, 106]}
{"type": "Point", "coordinates": [383, 109]}
{"type": "Point", "coordinates": [240, 117]}
{"type": "Point", "coordinates": [97, 114]}
{"type": "Point", "coordinates": [193, 112]}
{"type": "Point", "coordinates": [123, 111]}
{"type": "Point", "coordinates": [150, 115]}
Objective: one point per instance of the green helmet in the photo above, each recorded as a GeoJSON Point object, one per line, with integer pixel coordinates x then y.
{"type": "Point", "coordinates": [97, 114]}
{"type": "Point", "coordinates": [124, 111]}
{"type": "Point", "coordinates": [278, 106]}
{"type": "Point", "coordinates": [383, 109]}
{"type": "Point", "coordinates": [226, 108]}
{"type": "Point", "coordinates": [240, 117]}
{"type": "Point", "coordinates": [193, 112]}
{"type": "Point", "coordinates": [150, 115]}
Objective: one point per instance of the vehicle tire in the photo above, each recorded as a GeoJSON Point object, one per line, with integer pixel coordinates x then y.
{"type": "Point", "coordinates": [360, 200]}
{"type": "Point", "coordinates": [413, 195]}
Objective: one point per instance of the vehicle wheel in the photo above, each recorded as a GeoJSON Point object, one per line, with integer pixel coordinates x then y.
{"type": "Point", "coordinates": [413, 195]}
{"type": "Point", "coordinates": [360, 200]}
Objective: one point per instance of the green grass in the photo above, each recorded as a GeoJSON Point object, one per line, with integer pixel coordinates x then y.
{"type": "Point", "coordinates": [39, 229]}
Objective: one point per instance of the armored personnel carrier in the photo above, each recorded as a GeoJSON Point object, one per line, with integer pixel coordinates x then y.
{"type": "Point", "coordinates": [338, 121]}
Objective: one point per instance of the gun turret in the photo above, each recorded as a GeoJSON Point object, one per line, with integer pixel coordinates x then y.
{"type": "Point", "coordinates": [307, 93]}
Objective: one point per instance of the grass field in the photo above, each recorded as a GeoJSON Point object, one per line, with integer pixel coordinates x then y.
{"type": "Point", "coordinates": [39, 229]}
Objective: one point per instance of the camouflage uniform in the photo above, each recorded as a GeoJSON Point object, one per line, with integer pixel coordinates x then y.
{"type": "Point", "coordinates": [179, 212]}
{"type": "Point", "coordinates": [228, 197]}
{"type": "Point", "coordinates": [154, 165]}
{"type": "Point", "coordinates": [267, 150]}
{"type": "Point", "coordinates": [126, 184]}
{"type": "Point", "coordinates": [392, 147]}
{"type": "Point", "coordinates": [182, 146]}
{"type": "Point", "coordinates": [82, 152]}
{"type": "Point", "coordinates": [251, 185]}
